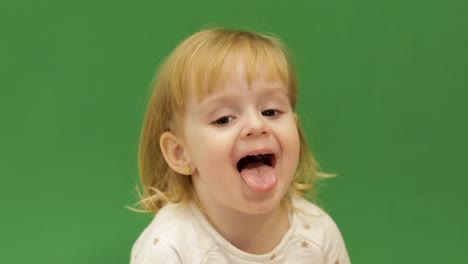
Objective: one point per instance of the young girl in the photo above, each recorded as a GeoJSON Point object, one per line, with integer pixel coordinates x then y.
{"type": "Point", "coordinates": [224, 163]}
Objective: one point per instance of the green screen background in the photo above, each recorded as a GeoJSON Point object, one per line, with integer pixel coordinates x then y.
{"type": "Point", "coordinates": [383, 98]}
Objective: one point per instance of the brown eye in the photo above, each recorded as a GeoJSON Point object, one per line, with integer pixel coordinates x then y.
{"type": "Point", "coordinates": [270, 112]}
{"type": "Point", "coordinates": [223, 120]}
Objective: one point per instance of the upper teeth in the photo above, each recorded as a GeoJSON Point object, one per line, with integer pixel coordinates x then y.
{"type": "Point", "coordinates": [265, 158]}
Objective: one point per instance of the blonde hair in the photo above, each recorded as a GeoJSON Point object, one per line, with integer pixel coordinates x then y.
{"type": "Point", "coordinates": [200, 62]}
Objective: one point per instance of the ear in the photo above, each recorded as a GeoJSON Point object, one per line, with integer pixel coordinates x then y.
{"type": "Point", "coordinates": [174, 153]}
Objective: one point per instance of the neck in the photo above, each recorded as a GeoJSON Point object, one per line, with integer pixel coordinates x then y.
{"type": "Point", "coordinates": [252, 233]}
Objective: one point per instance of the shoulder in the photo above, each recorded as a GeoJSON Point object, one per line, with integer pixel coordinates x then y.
{"type": "Point", "coordinates": [317, 227]}
{"type": "Point", "coordinates": [170, 237]}
{"type": "Point", "coordinates": [313, 223]}
{"type": "Point", "coordinates": [309, 213]}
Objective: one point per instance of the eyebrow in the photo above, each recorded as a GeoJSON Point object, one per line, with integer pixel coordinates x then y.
{"type": "Point", "coordinates": [276, 89]}
{"type": "Point", "coordinates": [264, 91]}
{"type": "Point", "coordinates": [226, 99]}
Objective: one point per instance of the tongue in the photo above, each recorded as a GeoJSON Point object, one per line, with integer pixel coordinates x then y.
{"type": "Point", "coordinates": [259, 177]}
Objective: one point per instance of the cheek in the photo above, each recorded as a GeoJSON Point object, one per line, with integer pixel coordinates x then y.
{"type": "Point", "coordinates": [208, 148]}
{"type": "Point", "coordinates": [291, 142]}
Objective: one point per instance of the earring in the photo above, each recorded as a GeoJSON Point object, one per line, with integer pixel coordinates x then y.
{"type": "Point", "coordinates": [187, 170]}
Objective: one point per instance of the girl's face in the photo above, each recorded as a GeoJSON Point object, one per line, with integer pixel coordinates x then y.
{"type": "Point", "coordinates": [243, 143]}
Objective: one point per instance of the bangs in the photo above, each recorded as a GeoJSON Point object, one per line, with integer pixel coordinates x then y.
{"type": "Point", "coordinates": [212, 59]}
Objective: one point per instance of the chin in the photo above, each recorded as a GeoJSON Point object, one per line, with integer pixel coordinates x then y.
{"type": "Point", "coordinates": [262, 205]}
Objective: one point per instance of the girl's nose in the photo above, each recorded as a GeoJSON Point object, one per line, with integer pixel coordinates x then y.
{"type": "Point", "coordinates": [255, 125]}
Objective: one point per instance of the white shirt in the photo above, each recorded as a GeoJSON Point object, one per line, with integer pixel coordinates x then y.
{"type": "Point", "coordinates": [180, 234]}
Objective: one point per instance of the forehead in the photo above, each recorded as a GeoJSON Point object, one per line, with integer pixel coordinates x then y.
{"type": "Point", "coordinates": [238, 89]}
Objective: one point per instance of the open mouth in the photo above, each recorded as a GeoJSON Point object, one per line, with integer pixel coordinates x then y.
{"type": "Point", "coordinates": [252, 161]}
